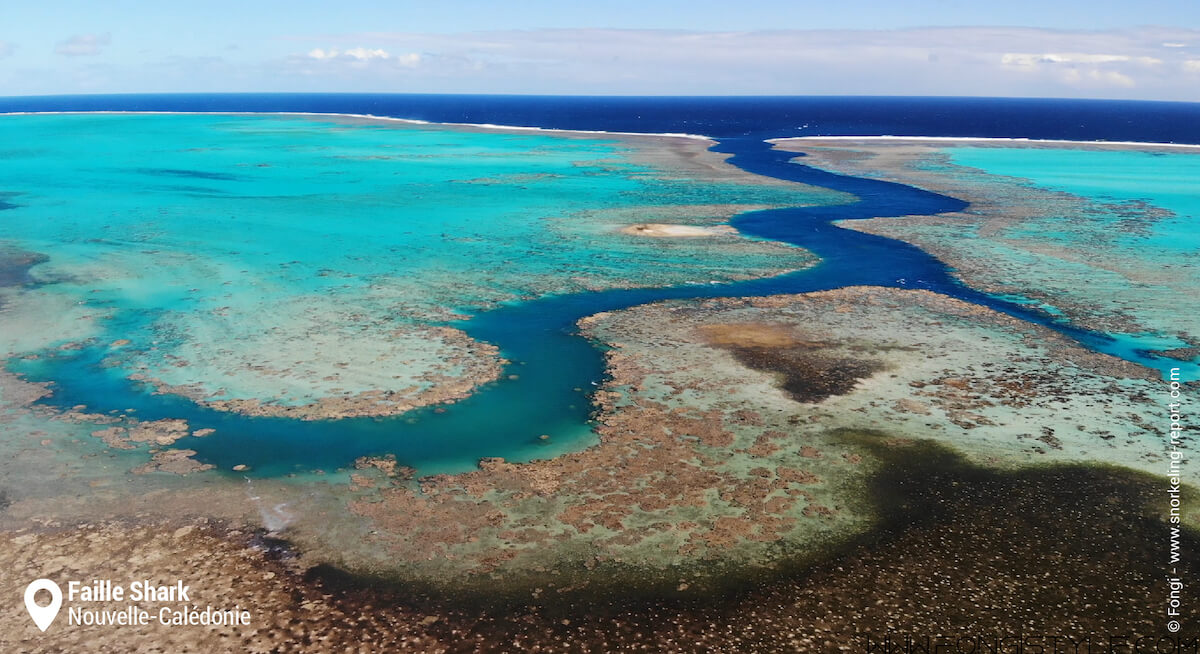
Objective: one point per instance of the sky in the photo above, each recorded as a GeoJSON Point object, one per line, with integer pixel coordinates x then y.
{"type": "Point", "coordinates": [1046, 48]}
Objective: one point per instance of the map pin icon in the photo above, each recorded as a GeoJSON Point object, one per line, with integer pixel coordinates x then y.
{"type": "Point", "coordinates": [43, 615]}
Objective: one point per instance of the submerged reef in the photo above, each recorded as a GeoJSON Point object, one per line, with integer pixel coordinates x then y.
{"type": "Point", "coordinates": [735, 438]}
{"type": "Point", "coordinates": [781, 458]}
{"type": "Point", "coordinates": [314, 267]}
{"type": "Point", "coordinates": [964, 555]}
{"type": "Point", "coordinates": [1102, 234]}
{"type": "Point", "coordinates": [15, 263]}
{"type": "Point", "coordinates": [734, 435]}
{"type": "Point", "coordinates": [825, 466]}
{"type": "Point", "coordinates": [443, 365]}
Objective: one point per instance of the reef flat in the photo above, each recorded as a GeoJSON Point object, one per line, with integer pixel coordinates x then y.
{"type": "Point", "coordinates": [1062, 550]}
{"type": "Point", "coordinates": [775, 455]}
{"type": "Point", "coordinates": [736, 437]}
{"type": "Point", "coordinates": [730, 433]}
{"type": "Point", "coordinates": [306, 267]}
{"type": "Point", "coordinates": [1103, 234]}
{"type": "Point", "coordinates": [312, 283]}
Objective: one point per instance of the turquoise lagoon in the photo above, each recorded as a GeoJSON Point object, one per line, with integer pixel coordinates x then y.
{"type": "Point", "coordinates": [284, 259]}
{"type": "Point", "coordinates": [287, 259]}
{"type": "Point", "coordinates": [1166, 180]}
{"type": "Point", "coordinates": [1143, 220]}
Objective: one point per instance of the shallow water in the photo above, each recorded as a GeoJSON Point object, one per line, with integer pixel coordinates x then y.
{"type": "Point", "coordinates": [218, 246]}
{"type": "Point", "coordinates": [1143, 216]}
{"type": "Point", "coordinates": [1166, 180]}
{"type": "Point", "coordinates": [145, 264]}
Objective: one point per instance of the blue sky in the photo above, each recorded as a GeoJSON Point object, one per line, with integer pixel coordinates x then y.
{"type": "Point", "coordinates": [1101, 48]}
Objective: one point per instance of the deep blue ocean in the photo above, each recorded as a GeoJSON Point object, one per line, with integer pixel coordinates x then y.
{"type": "Point", "coordinates": [719, 117]}
{"type": "Point", "coordinates": [540, 335]}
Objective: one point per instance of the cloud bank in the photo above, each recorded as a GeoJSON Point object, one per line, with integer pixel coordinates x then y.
{"type": "Point", "coordinates": [83, 45]}
{"type": "Point", "coordinates": [358, 57]}
{"type": "Point", "coordinates": [1150, 63]}
{"type": "Point", "coordinates": [1159, 63]}
{"type": "Point", "coordinates": [353, 54]}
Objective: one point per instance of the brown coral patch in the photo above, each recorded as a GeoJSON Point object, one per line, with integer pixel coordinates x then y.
{"type": "Point", "coordinates": [479, 364]}
{"type": "Point", "coordinates": [156, 432]}
{"type": "Point", "coordinates": [811, 373]}
{"type": "Point", "coordinates": [179, 462]}
{"type": "Point", "coordinates": [1181, 353]}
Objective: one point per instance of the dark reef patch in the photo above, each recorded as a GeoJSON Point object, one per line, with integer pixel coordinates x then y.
{"type": "Point", "coordinates": [961, 551]}
{"type": "Point", "coordinates": [5, 201]}
{"type": "Point", "coordinates": [811, 369]}
{"type": "Point", "coordinates": [1181, 353]}
{"type": "Point", "coordinates": [196, 174]}
{"type": "Point", "coordinates": [809, 376]}
{"type": "Point", "coordinates": [15, 264]}
{"type": "Point", "coordinates": [199, 191]}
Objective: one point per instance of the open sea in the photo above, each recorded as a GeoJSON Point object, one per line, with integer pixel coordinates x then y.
{"type": "Point", "coordinates": [270, 216]}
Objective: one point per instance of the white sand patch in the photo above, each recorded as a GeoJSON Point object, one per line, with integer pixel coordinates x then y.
{"type": "Point", "coordinates": [659, 230]}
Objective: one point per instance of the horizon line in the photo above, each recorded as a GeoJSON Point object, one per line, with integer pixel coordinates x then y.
{"type": "Point", "coordinates": [592, 95]}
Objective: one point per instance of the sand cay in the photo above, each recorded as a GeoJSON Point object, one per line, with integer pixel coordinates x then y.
{"type": "Point", "coordinates": [658, 230]}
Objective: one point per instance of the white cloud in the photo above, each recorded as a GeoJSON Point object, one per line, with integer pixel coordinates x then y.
{"type": "Point", "coordinates": [1112, 77]}
{"type": "Point", "coordinates": [1025, 59]}
{"type": "Point", "coordinates": [83, 45]}
{"type": "Point", "coordinates": [1084, 69]}
{"type": "Point", "coordinates": [1137, 63]}
{"type": "Point", "coordinates": [1102, 77]}
{"type": "Point", "coordinates": [1012, 61]}
{"type": "Point", "coordinates": [361, 54]}
{"type": "Point", "coordinates": [409, 60]}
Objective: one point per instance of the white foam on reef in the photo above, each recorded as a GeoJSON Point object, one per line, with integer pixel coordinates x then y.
{"type": "Point", "coordinates": [407, 121]}
{"type": "Point", "coordinates": [983, 139]}
{"type": "Point", "coordinates": [683, 135]}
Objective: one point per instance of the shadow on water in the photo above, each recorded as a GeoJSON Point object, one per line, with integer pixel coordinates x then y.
{"type": "Point", "coordinates": [550, 359]}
